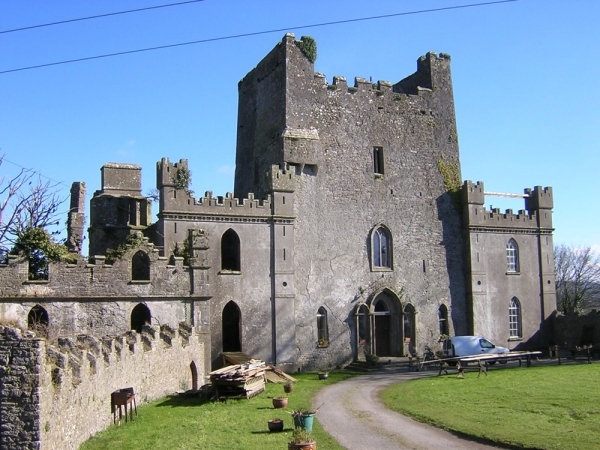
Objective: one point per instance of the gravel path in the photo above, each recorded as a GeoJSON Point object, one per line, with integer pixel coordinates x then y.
{"type": "Point", "coordinates": [354, 415]}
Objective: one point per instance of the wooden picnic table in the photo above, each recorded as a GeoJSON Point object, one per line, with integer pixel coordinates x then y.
{"type": "Point", "coordinates": [459, 362]}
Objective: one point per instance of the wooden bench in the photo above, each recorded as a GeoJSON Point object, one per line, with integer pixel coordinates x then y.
{"type": "Point", "coordinates": [584, 351]}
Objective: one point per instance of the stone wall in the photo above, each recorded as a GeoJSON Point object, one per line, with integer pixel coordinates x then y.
{"type": "Point", "coordinates": [327, 133]}
{"type": "Point", "coordinates": [56, 397]}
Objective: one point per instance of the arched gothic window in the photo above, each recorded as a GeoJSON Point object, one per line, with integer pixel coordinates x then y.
{"type": "Point", "coordinates": [381, 248]}
{"type": "Point", "coordinates": [409, 323]}
{"type": "Point", "coordinates": [140, 266]}
{"type": "Point", "coordinates": [512, 256]}
{"type": "Point", "coordinates": [230, 251]}
{"type": "Point", "coordinates": [514, 318]}
{"type": "Point", "coordinates": [322, 327]}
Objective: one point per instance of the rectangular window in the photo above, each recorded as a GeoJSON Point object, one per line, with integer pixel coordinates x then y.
{"type": "Point", "coordinates": [378, 160]}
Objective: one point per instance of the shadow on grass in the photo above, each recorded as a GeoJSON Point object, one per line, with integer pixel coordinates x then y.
{"type": "Point", "coordinates": [181, 400]}
{"type": "Point", "coordinates": [272, 432]}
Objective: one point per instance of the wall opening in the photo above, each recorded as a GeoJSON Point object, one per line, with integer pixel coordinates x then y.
{"type": "Point", "coordinates": [38, 321]}
{"type": "Point", "coordinates": [230, 251]}
{"type": "Point", "coordinates": [231, 328]}
{"type": "Point", "coordinates": [140, 316]}
{"type": "Point", "coordinates": [194, 371]}
{"type": "Point", "coordinates": [140, 266]}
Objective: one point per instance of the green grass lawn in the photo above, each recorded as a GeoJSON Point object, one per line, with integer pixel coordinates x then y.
{"type": "Point", "coordinates": [189, 423]}
{"type": "Point", "coordinates": [544, 407]}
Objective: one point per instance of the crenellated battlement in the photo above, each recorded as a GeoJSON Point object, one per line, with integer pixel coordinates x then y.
{"type": "Point", "coordinates": [537, 214]}
{"type": "Point", "coordinates": [65, 388]}
{"type": "Point", "coordinates": [174, 199]}
{"type": "Point", "coordinates": [97, 278]}
{"type": "Point", "coordinates": [72, 354]}
{"type": "Point", "coordinates": [282, 177]}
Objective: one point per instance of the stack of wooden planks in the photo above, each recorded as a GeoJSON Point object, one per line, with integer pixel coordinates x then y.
{"type": "Point", "coordinates": [239, 380]}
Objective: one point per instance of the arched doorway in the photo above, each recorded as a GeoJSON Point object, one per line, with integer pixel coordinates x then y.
{"type": "Point", "coordinates": [378, 325]}
{"type": "Point", "coordinates": [140, 316]}
{"type": "Point", "coordinates": [231, 328]}
{"type": "Point", "coordinates": [383, 323]}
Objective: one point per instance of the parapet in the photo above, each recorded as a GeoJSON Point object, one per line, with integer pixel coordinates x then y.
{"type": "Point", "coordinates": [433, 72]}
{"type": "Point", "coordinates": [473, 193]}
{"type": "Point", "coordinates": [281, 178]}
{"type": "Point", "coordinates": [121, 179]}
{"type": "Point", "coordinates": [539, 198]}
{"type": "Point", "coordinates": [167, 173]}
{"type": "Point", "coordinates": [536, 215]}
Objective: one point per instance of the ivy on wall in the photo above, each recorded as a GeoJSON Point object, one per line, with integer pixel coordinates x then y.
{"type": "Point", "coordinates": [452, 184]}
{"type": "Point", "coordinates": [39, 247]}
{"type": "Point", "coordinates": [308, 46]}
{"type": "Point", "coordinates": [182, 179]}
{"type": "Point", "coordinates": [133, 240]}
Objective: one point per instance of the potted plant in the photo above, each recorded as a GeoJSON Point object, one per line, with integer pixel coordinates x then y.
{"type": "Point", "coordinates": [288, 387]}
{"type": "Point", "coordinates": [303, 418]}
{"type": "Point", "coordinates": [280, 402]}
{"type": "Point", "coordinates": [275, 425]}
{"type": "Point", "coordinates": [302, 440]}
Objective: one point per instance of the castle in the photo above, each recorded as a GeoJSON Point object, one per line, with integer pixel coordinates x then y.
{"type": "Point", "coordinates": [349, 233]}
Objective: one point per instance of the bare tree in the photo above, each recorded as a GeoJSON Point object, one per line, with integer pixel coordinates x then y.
{"type": "Point", "coordinates": [26, 202]}
{"type": "Point", "coordinates": [577, 278]}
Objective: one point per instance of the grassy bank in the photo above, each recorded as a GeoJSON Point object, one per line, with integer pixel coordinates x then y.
{"type": "Point", "coordinates": [545, 407]}
{"type": "Point", "coordinates": [189, 423]}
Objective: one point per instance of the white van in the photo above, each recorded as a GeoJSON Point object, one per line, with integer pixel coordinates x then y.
{"type": "Point", "coordinates": [470, 346]}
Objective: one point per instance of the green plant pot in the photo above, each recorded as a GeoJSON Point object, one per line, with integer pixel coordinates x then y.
{"type": "Point", "coordinates": [304, 421]}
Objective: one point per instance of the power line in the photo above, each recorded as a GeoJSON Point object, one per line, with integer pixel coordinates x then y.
{"type": "Point", "coordinates": [257, 33]}
{"type": "Point", "coordinates": [33, 171]}
{"type": "Point", "coordinates": [98, 16]}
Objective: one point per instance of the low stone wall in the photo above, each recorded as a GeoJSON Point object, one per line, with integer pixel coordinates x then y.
{"type": "Point", "coordinates": [56, 397]}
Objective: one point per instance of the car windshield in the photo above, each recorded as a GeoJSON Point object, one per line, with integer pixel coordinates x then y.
{"type": "Point", "coordinates": [485, 343]}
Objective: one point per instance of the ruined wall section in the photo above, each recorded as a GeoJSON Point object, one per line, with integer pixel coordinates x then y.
{"type": "Point", "coordinates": [99, 298]}
{"type": "Point", "coordinates": [21, 357]}
{"type": "Point", "coordinates": [62, 394]}
{"type": "Point", "coordinates": [118, 209]}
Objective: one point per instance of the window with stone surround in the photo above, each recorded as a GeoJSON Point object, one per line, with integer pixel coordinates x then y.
{"type": "Point", "coordinates": [230, 251]}
{"type": "Point", "coordinates": [514, 319]}
{"type": "Point", "coordinates": [378, 160]}
{"type": "Point", "coordinates": [322, 328]}
{"type": "Point", "coordinates": [381, 248]}
{"type": "Point", "coordinates": [512, 256]}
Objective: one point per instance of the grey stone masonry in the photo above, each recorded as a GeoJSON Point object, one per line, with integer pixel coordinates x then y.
{"type": "Point", "coordinates": [56, 397]}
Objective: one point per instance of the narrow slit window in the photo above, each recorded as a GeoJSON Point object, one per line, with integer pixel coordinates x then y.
{"type": "Point", "coordinates": [378, 160]}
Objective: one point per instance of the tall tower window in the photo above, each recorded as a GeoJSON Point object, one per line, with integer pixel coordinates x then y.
{"type": "Point", "coordinates": [230, 251]}
{"type": "Point", "coordinates": [378, 160]}
{"type": "Point", "coordinates": [381, 246]}
{"type": "Point", "coordinates": [514, 318]}
{"type": "Point", "coordinates": [512, 256]}
{"type": "Point", "coordinates": [322, 328]}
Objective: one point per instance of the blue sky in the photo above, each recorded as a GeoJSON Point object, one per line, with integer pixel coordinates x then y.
{"type": "Point", "coordinates": [526, 85]}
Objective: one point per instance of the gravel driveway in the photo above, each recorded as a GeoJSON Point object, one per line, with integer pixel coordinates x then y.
{"type": "Point", "coordinates": [354, 415]}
